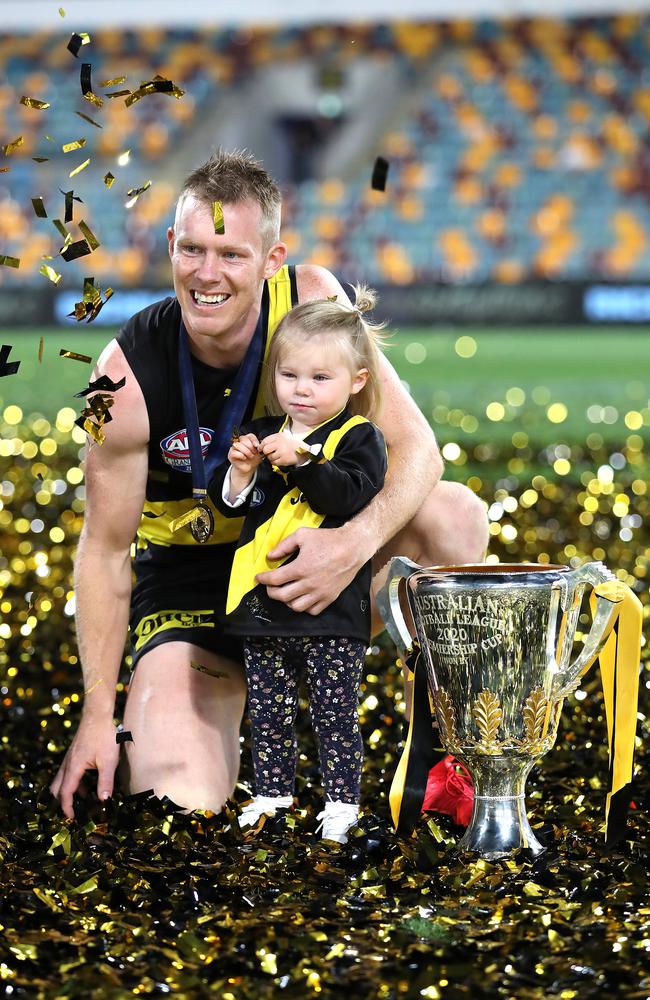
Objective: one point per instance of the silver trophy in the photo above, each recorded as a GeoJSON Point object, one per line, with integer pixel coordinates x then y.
{"type": "Point", "coordinates": [497, 643]}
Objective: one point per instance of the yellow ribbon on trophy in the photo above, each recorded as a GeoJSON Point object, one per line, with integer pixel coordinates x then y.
{"type": "Point", "coordinates": [619, 671]}
{"type": "Point", "coordinates": [619, 674]}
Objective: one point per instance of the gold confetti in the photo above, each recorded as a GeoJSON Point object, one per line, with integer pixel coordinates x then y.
{"type": "Point", "coordinates": [62, 230]}
{"type": "Point", "coordinates": [4, 170]}
{"type": "Point", "coordinates": [61, 12]}
{"type": "Point", "coordinates": [12, 146]}
{"type": "Point", "coordinates": [112, 94]}
{"type": "Point", "coordinates": [50, 273]}
{"type": "Point", "coordinates": [33, 102]}
{"type": "Point", "coordinates": [95, 685]}
{"type": "Point", "coordinates": [40, 349]}
{"type": "Point", "coordinates": [93, 242]}
{"type": "Point", "coordinates": [88, 119]}
{"type": "Point", "coordinates": [134, 193]}
{"type": "Point", "coordinates": [9, 261]}
{"type": "Point", "coordinates": [109, 179]}
{"type": "Point", "coordinates": [113, 82]}
{"type": "Point", "coordinates": [40, 159]}
{"type": "Point", "coordinates": [77, 170]}
{"type": "Point", "coordinates": [93, 99]}
{"type": "Point", "coordinates": [123, 158]}
{"type": "Point", "coordinates": [74, 356]}
{"type": "Point", "coordinates": [217, 218]}
{"type": "Point", "coordinates": [159, 85]}
{"type": "Point", "coordinates": [95, 431]}
{"type": "Point", "coordinates": [76, 144]}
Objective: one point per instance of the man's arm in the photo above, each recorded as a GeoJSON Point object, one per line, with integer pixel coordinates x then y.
{"type": "Point", "coordinates": [328, 560]}
{"type": "Point", "coordinates": [115, 473]}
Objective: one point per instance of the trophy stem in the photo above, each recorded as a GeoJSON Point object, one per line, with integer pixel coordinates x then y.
{"type": "Point", "coordinates": [499, 824]}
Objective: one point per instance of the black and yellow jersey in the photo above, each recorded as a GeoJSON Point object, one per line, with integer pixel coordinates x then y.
{"type": "Point", "coordinates": [320, 494]}
{"type": "Point", "coordinates": [149, 341]}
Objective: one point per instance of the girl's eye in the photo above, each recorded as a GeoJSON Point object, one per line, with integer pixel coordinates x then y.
{"type": "Point", "coordinates": [321, 378]}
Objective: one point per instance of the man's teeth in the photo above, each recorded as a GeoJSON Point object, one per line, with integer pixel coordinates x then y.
{"type": "Point", "coordinates": [210, 299]}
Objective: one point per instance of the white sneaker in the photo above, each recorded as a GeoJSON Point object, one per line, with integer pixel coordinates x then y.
{"type": "Point", "coordinates": [337, 818]}
{"type": "Point", "coordinates": [263, 805]}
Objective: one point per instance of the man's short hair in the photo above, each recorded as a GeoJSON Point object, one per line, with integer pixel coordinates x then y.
{"type": "Point", "coordinates": [232, 177]}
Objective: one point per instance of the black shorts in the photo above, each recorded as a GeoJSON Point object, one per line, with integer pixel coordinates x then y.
{"type": "Point", "coordinates": [179, 595]}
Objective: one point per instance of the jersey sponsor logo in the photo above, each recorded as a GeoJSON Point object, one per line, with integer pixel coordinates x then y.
{"type": "Point", "coordinates": [257, 497]}
{"type": "Point", "coordinates": [162, 621]}
{"type": "Point", "coordinates": [176, 448]}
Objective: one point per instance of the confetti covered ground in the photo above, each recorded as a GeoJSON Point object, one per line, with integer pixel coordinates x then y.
{"type": "Point", "coordinates": [136, 899]}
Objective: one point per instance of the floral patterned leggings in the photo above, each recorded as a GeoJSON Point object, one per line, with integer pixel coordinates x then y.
{"type": "Point", "coordinates": [333, 668]}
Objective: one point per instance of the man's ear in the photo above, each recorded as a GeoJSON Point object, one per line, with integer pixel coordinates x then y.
{"type": "Point", "coordinates": [275, 258]}
{"type": "Point", "coordinates": [170, 240]}
{"type": "Point", "coordinates": [359, 381]}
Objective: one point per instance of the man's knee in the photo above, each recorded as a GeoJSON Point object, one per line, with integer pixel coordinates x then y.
{"type": "Point", "coordinates": [452, 525]}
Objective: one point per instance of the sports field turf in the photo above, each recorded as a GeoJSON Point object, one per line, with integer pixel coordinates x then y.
{"type": "Point", "coordinates": [606, 370]}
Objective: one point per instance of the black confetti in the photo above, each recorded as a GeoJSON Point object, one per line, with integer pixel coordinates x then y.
{"type": "Point", "coordinates": [379, 174]}
{"type": "Point", "coordinates": [78, 249]}
{"type": "Point", "coordinates": [102, 384]}
{"type": "Point", "coordinates": [85, 78]}
{"type": "Point", "coordinates": [7, 367]}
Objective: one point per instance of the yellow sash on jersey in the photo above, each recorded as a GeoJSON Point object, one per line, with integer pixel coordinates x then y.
{"type": "Point", "coordinates": [291, 513]}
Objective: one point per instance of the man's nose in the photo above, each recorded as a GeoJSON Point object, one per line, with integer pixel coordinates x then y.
{"type": "Point", "coordinates": [209, 268]}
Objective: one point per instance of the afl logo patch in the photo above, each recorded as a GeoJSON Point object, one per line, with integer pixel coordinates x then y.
{"type": "Point", "coordinates": [176, 448]}
{"type": "Point", "coordinates": [257, 497]}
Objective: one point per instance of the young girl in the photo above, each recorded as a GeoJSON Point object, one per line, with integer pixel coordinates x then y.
{"type": "Point", "coordinates": [315, 466]}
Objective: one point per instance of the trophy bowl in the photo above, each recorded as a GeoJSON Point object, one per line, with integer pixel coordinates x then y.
{"type": "Point", "coordinates": [497, 642]}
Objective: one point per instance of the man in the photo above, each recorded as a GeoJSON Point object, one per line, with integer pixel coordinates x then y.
{"type": "Point", "coordinates": [187, 695]}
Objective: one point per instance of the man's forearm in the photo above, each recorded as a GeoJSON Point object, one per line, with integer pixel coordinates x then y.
{"type": "Point", "coordinates": [409, 480]}
{"type": "Point", "coordinates": [102, 589]}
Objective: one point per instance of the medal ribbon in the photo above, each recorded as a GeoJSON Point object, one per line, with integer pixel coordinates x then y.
{"type": "Point", "coordinates": [231, 415]}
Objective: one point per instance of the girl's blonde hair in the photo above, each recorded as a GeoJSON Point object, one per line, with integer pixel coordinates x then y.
{"type": "Point", "coordinates": [346, 330]}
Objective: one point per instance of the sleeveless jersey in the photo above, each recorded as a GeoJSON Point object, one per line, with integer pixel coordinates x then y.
{"type": "Point", "coordinates": [149, 341]}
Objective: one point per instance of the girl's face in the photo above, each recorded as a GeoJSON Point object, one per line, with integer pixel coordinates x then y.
{"type": "Point", "coordinates": [314, 383]}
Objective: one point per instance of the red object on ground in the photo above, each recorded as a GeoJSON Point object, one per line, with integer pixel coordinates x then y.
{"type": "Point", "coordinates": [450, 790]}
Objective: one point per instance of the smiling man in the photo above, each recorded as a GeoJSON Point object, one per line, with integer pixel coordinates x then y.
{"type": "Point", "coordinates": [192, 365]}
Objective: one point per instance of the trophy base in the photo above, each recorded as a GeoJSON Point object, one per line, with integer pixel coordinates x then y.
{"type": "Point", "coordinates": [498, 827]}
{"type": "Point", "coordinates": [499, 824]}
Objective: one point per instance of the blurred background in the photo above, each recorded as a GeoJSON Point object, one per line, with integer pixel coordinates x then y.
{"type": "Point", "coordinates": [510, 247]}
{"type": "Point", "coordinates": [511, 253]}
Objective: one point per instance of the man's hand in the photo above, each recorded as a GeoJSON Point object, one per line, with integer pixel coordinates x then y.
{"type": "Point", "coordinates": [93, 748]}
{"type": "Point", "coordinates": [281, 449]}
{"type": "Point", "coordinates": [328, 560]}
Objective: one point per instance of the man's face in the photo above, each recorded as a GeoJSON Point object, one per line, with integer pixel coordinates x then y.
{"type": "Point", "coordinates": [218, 279]}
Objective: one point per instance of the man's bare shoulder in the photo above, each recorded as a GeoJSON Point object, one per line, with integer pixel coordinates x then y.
{"type": "Point", "coordinates": [316, 282]}
{"type": "Point", "coordinates": [129, 425]}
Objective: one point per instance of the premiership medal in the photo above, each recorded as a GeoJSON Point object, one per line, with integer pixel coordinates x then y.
{"type": "Point", "coordinates": [202, 524]}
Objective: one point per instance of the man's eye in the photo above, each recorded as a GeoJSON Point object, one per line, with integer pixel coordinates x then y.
{"type": "Point", "coordinates": [190, 248]}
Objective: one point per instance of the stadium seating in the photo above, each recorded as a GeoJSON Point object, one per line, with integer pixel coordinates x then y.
{"type": "Point", "coordinates": [523, 157]}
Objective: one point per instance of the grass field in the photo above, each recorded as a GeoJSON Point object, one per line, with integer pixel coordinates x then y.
{"type": "Point", "coordinates": [599, 377]}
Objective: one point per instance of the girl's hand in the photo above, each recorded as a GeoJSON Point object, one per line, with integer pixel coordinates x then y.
{"type": "Point", "coordinates": [280, 449]}
{"type": "Point", "coordinates": [244, 454]}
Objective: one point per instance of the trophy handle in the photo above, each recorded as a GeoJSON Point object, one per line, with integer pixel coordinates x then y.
{"type": "Point", "coordinates": [572, 586]}
{"type": "Point", "coordinates": [399, 568]}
